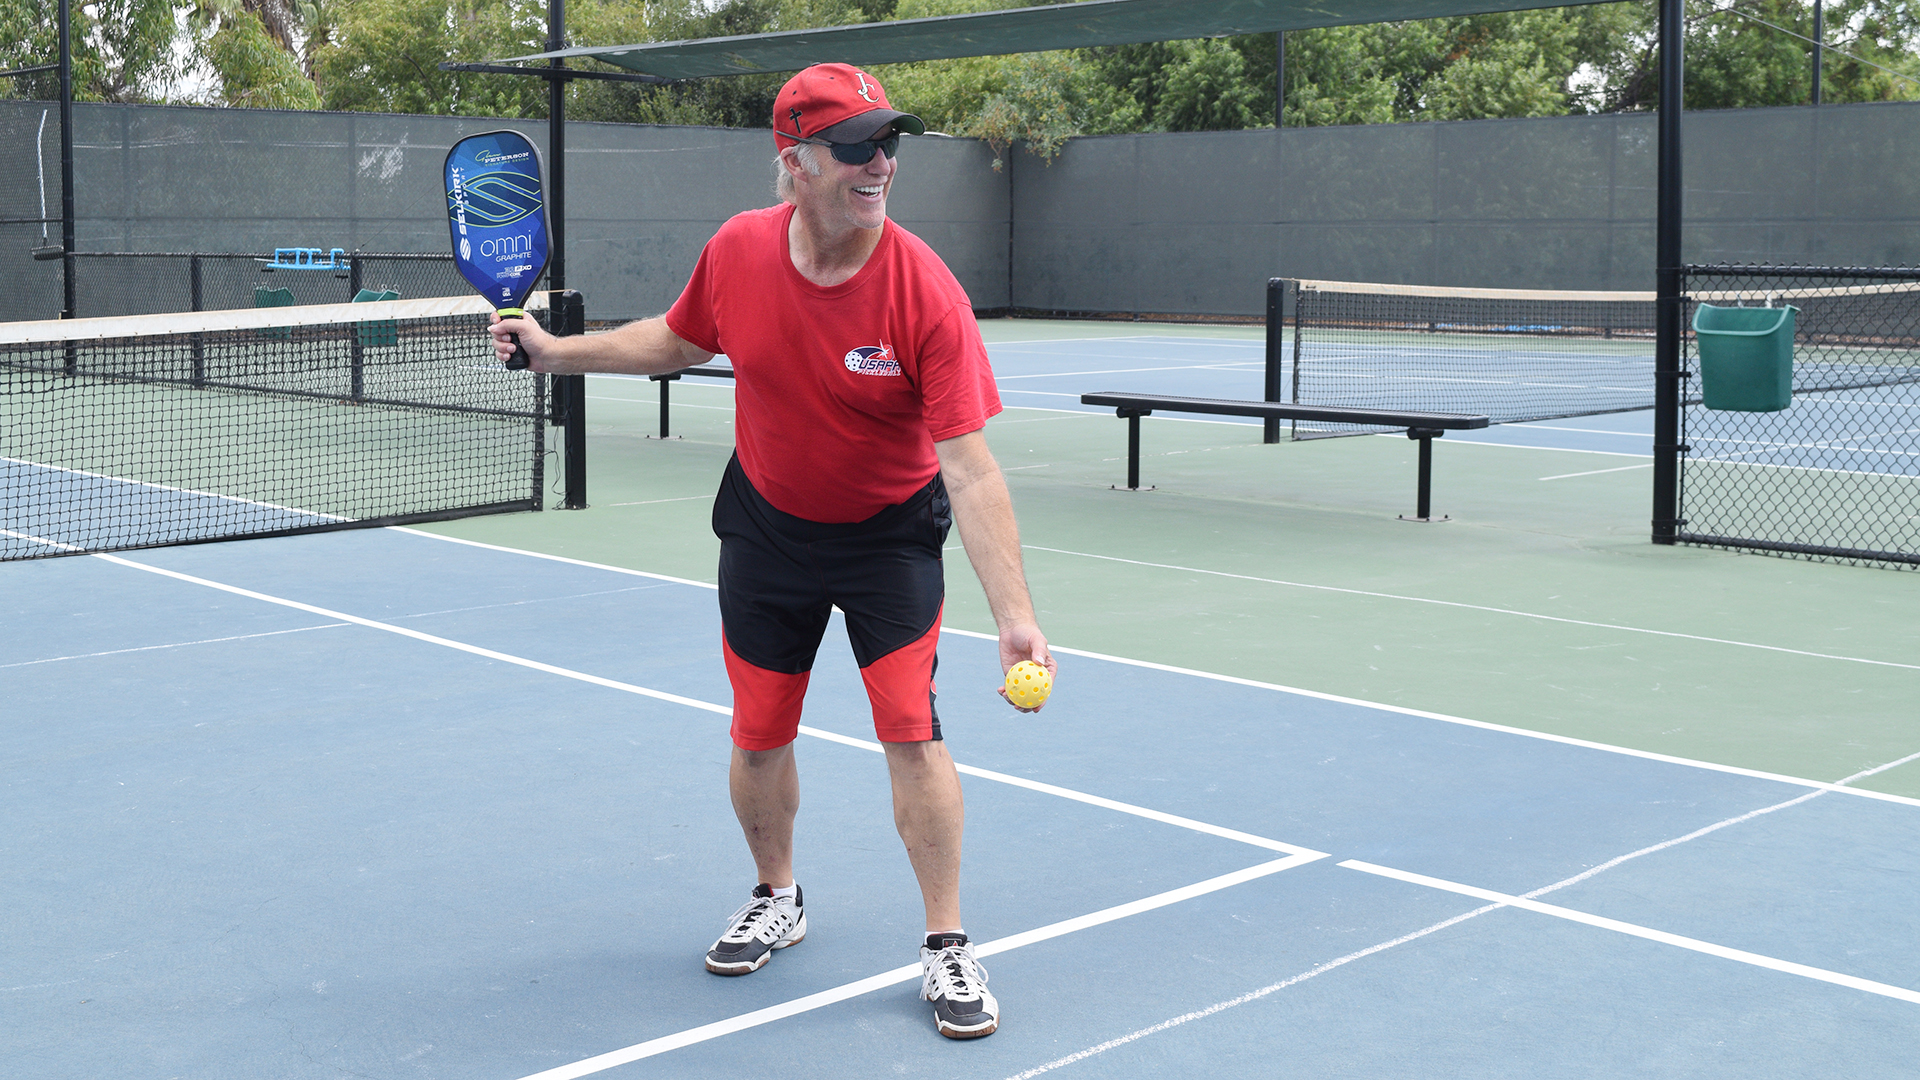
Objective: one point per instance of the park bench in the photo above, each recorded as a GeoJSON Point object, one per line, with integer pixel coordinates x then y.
{"type": "Point", "coordinates": [1423, 426]}
{"type": "Point", "coordinates": [708, 370]}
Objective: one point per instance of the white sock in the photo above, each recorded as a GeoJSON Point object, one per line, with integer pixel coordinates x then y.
{"type": "Point", "coordinates": [789, 892]}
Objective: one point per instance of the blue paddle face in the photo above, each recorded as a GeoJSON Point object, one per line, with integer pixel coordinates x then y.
{"type": "Point", "coordinates": [497, 213]}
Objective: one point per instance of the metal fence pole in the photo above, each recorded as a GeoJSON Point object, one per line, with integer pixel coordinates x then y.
{"type": "Point", "coordinates": [1668, 328]}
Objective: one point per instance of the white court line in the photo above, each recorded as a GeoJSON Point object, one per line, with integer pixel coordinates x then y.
{"type": "Point", "coordinates": [1297, 856]}
{"type": "Point", "coordinates": [32, 539]}
{"type": "Point", "coordinates": [1854, 982]}
{"type": "Point", "coordinates": [1091, 800]}
{"type": "Point", "coordinates": [163, 487]}
{"type": "Point", "coordinates": [1478, 607]}
{"type": "Point", "coordinates": [1597, 472]}
{"type": "Point", "coordinates": [173, 645]}
{"type": "Point", "coordinates": [1201, 1014]}
{"type": "Point", "coordinates": [650, 502]}
{"type": "Point", "coordinates": [551, 558]}
{"type": "Point", "coordinates": [1171, 339]}
{"type": "Point", "coordinates": [1543, 736]}
{"type": "Point", "coordinates": [1526, 426]}
{"type": "Point", "coordinates": [712, 707]}
{"type": "Point", "coordinates": [431, 639]}
{"type": "Point", "coordinates": [908, 973]}
{"type": "Point", "coordinates": [1564, 740]}
{"type": "Point", "coordinates": [1237, 366]}
{"type": "Point", "coordinates": [1469, 441]}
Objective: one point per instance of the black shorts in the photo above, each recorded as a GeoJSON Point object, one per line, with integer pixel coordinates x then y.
{"type": "Point", "coordinates": [780, 578]}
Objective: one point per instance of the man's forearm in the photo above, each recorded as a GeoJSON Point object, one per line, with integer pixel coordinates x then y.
{"type": "Point", "coordinates": [643, 347]}
{"type": "Point", "coordinates": [983, 509]}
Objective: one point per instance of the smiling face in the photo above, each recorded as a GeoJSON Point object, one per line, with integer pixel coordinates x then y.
{"type": "Point", "coordinates": [841, 196]}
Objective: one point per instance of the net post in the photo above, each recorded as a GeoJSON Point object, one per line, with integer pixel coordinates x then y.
{"type": "Point", "coordinates": [570, 318]}
{"type": "Point", "coordinates": [1270, 427]}
{"type": "Point", "coordinates": [1667, 304]}
{"type": "Point", "coordinates": [199, 340]}
{"type": "Point", "coordinates": [358, 379]}
{"type": "Point", "coordinates": [546, 391]}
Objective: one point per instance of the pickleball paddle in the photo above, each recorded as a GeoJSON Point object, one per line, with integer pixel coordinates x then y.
{"type": "Point", "coordinates": [497, 218]}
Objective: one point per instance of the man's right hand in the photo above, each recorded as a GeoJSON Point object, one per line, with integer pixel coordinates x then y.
{"type": "Point", "coordinates": [641, 347]}
{"type": "Point", "coordinates": [537, 342]}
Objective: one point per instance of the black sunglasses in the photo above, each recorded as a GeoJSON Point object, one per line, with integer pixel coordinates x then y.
{"type": "Point", "coordinates": [854, 153]}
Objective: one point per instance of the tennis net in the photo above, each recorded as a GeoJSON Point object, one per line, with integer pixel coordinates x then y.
{"type": "Point", "coordinates": [1509, 354]}
{"type": "Point", "coordinates": [163, 429]}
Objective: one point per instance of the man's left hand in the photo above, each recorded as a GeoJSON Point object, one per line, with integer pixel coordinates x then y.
{"type": "Point", "coordinates": [1025, 642]}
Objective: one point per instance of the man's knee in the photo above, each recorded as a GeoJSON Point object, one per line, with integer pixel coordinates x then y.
{"type": "Point", "coordinates": [762, 759]}
{"type": "Point", "coordinates": [918, 760]}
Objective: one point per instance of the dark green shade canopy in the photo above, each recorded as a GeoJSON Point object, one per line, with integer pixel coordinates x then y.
{"type": "Point", "coordinates": [994, 33]}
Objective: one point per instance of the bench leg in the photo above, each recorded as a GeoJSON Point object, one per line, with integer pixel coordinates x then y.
{"type": "Point", "coordinates": [1133, 445]}
{"type": "Point", "coordinates": [1133, 453]}
{"type": "Point", "coordinates": [1423, 499]}
{"type": "Point", "coordinates": [664, 383]}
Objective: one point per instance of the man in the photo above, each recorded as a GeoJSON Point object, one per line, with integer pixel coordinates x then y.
{"type": "Point", "coordinates": [861, 390]}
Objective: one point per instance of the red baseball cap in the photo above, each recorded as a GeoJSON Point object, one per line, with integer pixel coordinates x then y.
{"type": "Point", "coordinates": [838, 103]}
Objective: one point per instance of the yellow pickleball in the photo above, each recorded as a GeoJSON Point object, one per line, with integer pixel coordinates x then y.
{"type": "Point", "coordinates": [1028, 684]}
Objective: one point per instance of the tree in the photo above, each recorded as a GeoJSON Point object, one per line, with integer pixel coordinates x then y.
{"type": "Point", "coordinates": [735, 101]}
{"type": "Point", "coordinates": [122, 49]}
{"type": "Point", "coordinates": [385, 55]}
{"type": "Point", "coordinates": [1753, 53]}
{"type": "Point", "coordinates": [250, 46]}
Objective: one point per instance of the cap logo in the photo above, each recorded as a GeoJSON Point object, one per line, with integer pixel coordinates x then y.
{"type": "Point", "coordinates": [795, 114]}
{"type": "Point", "coordinates": [866, 89]}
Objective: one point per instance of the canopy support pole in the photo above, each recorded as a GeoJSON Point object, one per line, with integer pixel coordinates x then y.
{"type": "Point", "coordinates": [1668, 312]}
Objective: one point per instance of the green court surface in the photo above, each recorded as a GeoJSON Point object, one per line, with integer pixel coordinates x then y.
{"type": "Point", "coordinates": [1541, 604]}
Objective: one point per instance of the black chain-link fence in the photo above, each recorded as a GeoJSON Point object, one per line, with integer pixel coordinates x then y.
{"type": "Point", "coordinates": [1831, 469]}
{"type": "Point", "coordinates": [151, 283]}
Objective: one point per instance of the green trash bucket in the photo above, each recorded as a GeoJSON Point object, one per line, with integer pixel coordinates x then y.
{"type": "Point", "coordinates": [265, 297]}
{"type": "Point", "coordinates": [377, 333]}
{"type": "Point", "coordinates": [1746, 357]}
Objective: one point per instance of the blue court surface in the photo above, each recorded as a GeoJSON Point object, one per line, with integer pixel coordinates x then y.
{"type": "Point", "coordinates": [382, 804]}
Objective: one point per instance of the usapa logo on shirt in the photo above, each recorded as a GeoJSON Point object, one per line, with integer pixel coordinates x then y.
{"type": "Point", "coordinates": [873, 360]}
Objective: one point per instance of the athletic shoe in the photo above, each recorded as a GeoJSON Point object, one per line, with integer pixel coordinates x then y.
{"type": "Point", "coordinates": [763, 924]}
{"type": "Point", "coordinates": [956, 984]}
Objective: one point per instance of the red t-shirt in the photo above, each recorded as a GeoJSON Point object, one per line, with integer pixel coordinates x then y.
{"type": "Point", "coordinates": [840, 392]}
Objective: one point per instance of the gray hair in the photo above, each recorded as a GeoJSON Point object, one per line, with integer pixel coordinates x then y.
{"type": "Point", "coordinates": [783, 181]}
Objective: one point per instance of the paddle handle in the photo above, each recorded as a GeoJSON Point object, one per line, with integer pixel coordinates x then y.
{"type": "Point", "coordinates": [519, 360]}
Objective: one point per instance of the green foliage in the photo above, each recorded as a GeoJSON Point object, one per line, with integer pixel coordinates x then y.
{"type": "Point", "coordinates": [1507, 64]}
{"type": "Point", "coordinates": [122, 49]}
{"type": "Point", "coordinates": [1340, 75]}
{"type": "Point", "coordinates": [385, 54]}
{"type": "Point", "coordinates": [737, 101]}
{"type": "Point", "coordinates": [1750, 56]}
{"type": "Point", "coordinates": [252, 59]}
{"type": "Point", "coordinates": [1192, 85]}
